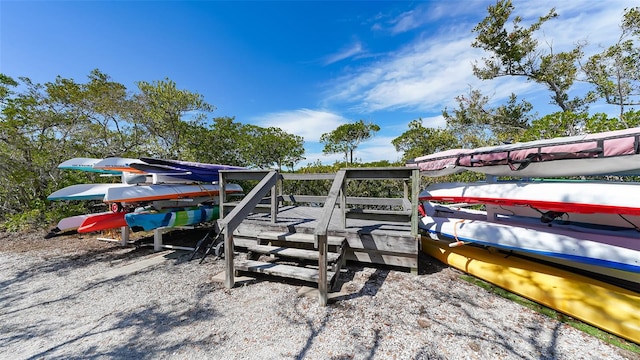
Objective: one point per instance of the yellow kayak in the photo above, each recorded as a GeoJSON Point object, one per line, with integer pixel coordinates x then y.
{"type": "Point", "coordinates": [608, 307]}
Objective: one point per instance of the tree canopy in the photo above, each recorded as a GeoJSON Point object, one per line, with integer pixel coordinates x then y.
{"type": "Point", "coordinates": [347, 137]}
{"type": "Point", "coordinates": [42, 125]}
{"type": "Point", "coordinates": [513, 49]}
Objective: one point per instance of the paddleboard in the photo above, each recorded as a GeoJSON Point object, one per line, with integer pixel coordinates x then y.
{"type": "Point", "coordinates": [190, 165]}
{"type": "Point", "coordinates": [118, 164]}
{"type": "Point", "coordinates": [602, 305]}
{"type": "Point", "coordinates": [147, 193]}
{"type": "Point", "coordinates": [173, 172]}
{"type": "Point", "coordinates": [181, 217]}
{"type": "Point", "coordinates": [84, 191]}
{"type": "Point", "coordinates": [593, 154]}
{"type": "Point", "coordinates": [102, 221]}
{"type": "Point", "coordinates": [615, 252]}
{"type": "Point", "coordinates": [85, 164]}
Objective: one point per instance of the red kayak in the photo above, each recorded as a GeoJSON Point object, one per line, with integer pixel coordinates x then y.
{"type": "Point", "coordinates": [102, 221]}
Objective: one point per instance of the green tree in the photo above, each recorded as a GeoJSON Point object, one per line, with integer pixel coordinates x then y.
{"type": "Point", "coordinates": [37, 131]}
{"type": "Point", "coordinates": [476, 124]}
{"type": "Point", "coordinates": [102, 112]}
{"type": "Point", "coordinates": [163, 111]}
{"type": "Point", "coordinates": [514, 51]}
{"type": "Point", "coordinates": [222, 142]}
{"type": "Point", "coordinates": [420, 141]}
{"type": "Point", "coordinates": [615, 72]}
{"type": "Point", "coordinates": [273, 146]}
{"type": "Point", "coordinates": [558, 124]}
{"type": "Point", "coordinates": [347, 137]}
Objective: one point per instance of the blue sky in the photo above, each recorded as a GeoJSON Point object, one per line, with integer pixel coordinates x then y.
{"type": "Point", "coordinates": [304, 66]}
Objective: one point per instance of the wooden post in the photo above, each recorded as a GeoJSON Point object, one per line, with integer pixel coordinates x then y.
{"type": "Point", "coordinates": [157, 239]}
{"type": "Point", "coordinates": [274, 203]}
{"type": "Point", "coordinates": [124, 232]}
{"type": "Point", "coordinates": [228, 257]}
{"type": "Point", "coordinates": [415, 192]}
{"type": "Point", "coordinates": [222, 197]}
{"type": "Point", "coordinates": [415, 215]}
{"type": "Point", "coordinates": [405, 188]}
{"type": "Point", "coordinates": [343, 205]}
{"type": "Point", "coordinates": [323, 283]}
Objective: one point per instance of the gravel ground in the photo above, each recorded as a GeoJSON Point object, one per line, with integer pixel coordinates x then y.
{"type": "Point", "coordinates": [61, 298]}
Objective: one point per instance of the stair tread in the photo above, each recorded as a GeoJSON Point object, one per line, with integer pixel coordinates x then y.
{"type": "Point", "coordinates": [292, 252]}
{"type": "Point", "coordinates": [288, 271]}
{"type": "Point", "coordinates": [299, 237]}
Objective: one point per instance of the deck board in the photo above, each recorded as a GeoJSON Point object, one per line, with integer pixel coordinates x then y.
{"type": "Point", "coordinates": [382, 242]}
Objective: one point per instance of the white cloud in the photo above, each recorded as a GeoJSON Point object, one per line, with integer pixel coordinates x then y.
{"type": "Point", "coordinates": [422, 76]}
{"type": "Point", "coordinates": [310, 124]}
{"type": "Point", "coordinates": [350, 51]}
{"type": "Point", "coordinates": [376, 149]}
{"type": "Point", "coordinates": [312, 157]}
{"type": "Point", "coordinates": [432, 122]}
{"type": "Point", "coordinates": [428, 74]}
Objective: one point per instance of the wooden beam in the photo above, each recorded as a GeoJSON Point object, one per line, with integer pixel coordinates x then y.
{"type": "Point", "coordinates": [229, 280]}
{"type": "Point", "coordinates": [321, 234]}
{"type": "Point", "coordinates": [230, 222]}
{"type": "Point", "coordinates": [415, 192]}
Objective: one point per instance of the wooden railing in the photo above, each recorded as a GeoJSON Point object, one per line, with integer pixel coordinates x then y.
{"type": "Point", "coordinates": [230, 222]}
{"type": "Point", "coordinates": [269, 180]}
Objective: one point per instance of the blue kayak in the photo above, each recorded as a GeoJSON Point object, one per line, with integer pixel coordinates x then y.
{"type": "Point", "coordinates": [148, 221]}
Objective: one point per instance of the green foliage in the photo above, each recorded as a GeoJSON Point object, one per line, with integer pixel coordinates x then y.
{"type": "Point", "coordinates": [569, 124]}
{"type": "Point", "coordinates": [615, 72]}
{"type": "Point", "coordinates": [43, 125]}
{"type": "Point", "coordinates": [514, 51]}
{"type": "Point", "coordinates": [476, 124]}
{"type": "Point", "coordinates": [162, 111]}
{"type": "Point", "coordinates": [556, 125]}
{"type": "Point", "coordinates": [273, 146]}
{"type": "Point", "coordinates": [223, 142]}
{"type": "Point", "coordinates": [419, 141]}
{"type": "Point", "coordinates": [347, 137]}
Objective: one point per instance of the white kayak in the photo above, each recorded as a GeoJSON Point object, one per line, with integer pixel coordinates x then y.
{"type": "Point", "coordinates": [615, 252]}
{"type": "Point", "coordinates": [454, 212]}
{"type": "Point", "coordinates": [585, 197]}
{"type": "Point", "coordinates": [118, 164]}
{"type": "Point", "coordinates": [84, 191]}
{"type": "Point", "coordinates": [148, 193]}
{"type": "Point", "coordinates": [85, 164]}
{"type": "Point", "coordinates": [609, 152]}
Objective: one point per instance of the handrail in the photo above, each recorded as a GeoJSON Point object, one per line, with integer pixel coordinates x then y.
{"type": "Point", "coordinates": [336, 195]}
{"type": "Point", "coordinates": [230, 222]}
{"type": "Point", "coordinates": [330, 203]}
{"type": "Point", "coordinates": [320, 234]}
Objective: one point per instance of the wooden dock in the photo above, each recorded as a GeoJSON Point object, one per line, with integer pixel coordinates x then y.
{"type": "Point", "coordinates": [320, 238]}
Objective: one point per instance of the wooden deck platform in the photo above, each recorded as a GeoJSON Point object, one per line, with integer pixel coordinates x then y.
{"type": "Point", "coordinates": [346, 227]}
{"type": "Point", "coordinates": [369, 241]}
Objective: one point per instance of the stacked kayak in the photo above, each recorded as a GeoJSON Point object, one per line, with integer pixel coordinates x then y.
{"type": "Point", "coordinates": [590, 228]}
{"type": "Point", "coordinates": [170, 192]}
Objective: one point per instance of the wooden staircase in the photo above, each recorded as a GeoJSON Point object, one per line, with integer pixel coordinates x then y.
{"type": "Point", "coordinates": [291, 248]}
{"type": "Point", "coordinates": [289, 255]}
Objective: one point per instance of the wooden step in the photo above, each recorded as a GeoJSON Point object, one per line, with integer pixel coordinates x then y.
{"type": "Point", "coordinates": [292, 252]}
{"type": "Point", "coordinates": [299, 237]}
{"type": "Point", "coordinates": [286, 271]}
